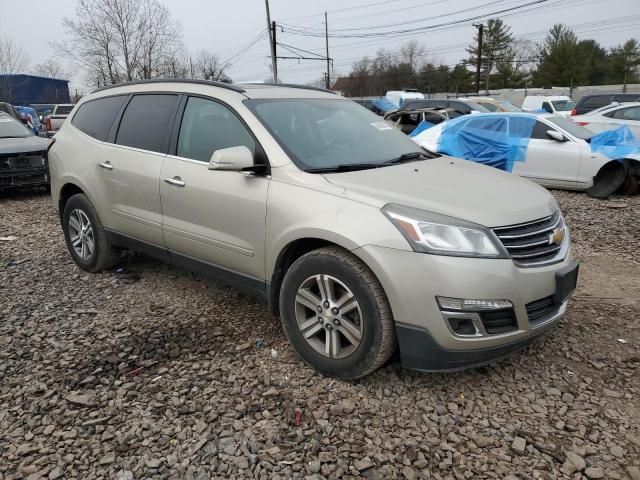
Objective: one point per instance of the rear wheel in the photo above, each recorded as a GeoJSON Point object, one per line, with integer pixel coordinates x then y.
{"type": "Point", "coordinates": [85, 236]}
{"type": "Point", "coordinates": [336, 315]}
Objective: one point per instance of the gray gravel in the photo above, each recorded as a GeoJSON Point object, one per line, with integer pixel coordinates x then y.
{"type": "Point", "coordinates": [158, 374]}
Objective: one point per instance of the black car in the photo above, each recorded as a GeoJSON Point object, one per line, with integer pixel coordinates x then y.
{"type": "Point", "coordinates": [589, 103]}
{"type": "Point", "coordinates": [464, 107]}
{"type": "Point", "coordinates": [23, 155]}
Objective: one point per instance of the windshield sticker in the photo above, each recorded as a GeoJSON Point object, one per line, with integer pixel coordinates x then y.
{"type": "Point", "coordinates": [382, 125]}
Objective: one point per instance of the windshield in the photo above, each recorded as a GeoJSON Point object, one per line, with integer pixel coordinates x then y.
{"type": "Point", "coordinates": [572, 128]}
{"type": "Point", "coordinates": [327, 133]}
{"type": "Point", "coordinates": [563, 105]}
{"type": "Point", "coordinates": [508, 106]}
{"type": "Point", "coordinates": [492, 107]}
{"type": "Point", "coordinates": [11, 128]}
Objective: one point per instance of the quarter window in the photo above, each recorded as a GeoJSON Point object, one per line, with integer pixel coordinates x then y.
{"type": "Point", "coordinates": [145, 121]}
{"type": "Point", "coordinates": [96, 116]}
{"type": "Point", "coordinates": [208, 126]}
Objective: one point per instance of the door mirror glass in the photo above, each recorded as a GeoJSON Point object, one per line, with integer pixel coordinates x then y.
{"type": "Point", "coordinates": [555, 135]}
{"type": "Point", "coordinates": [231, 159]}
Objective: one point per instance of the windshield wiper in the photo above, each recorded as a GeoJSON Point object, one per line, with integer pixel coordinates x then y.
{"type": "Point", "coordinates": [345, 167]}
{"type": "Point", "coordinates": [409, 157]}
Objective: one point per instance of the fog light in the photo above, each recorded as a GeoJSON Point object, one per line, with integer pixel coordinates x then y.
{"type": "Point", "coordinates": [471, 305]}
{"type": "Point", "coordinates": [463, 326]}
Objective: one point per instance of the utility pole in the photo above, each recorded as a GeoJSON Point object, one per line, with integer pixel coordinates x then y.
{"type": "Point", "coordinates": [479, 63]}
{"type": "Point", "coordinates": [326, 41]}
{"type": "Point", "coordinates": [272, 41]}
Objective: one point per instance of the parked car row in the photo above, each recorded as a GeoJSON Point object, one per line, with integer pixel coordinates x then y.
{"type": "Point", "coordinates": [43, 119]}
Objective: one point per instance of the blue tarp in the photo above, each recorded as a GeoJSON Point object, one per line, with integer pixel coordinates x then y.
{"type": "Point", "coordinates": [495, 140]}
{"type": "Point", "coordinates": [422, 126]}
{"type": "Point", "coordinates": [384, 104]}
{"type": "Point", "coordinates": [616, 144]}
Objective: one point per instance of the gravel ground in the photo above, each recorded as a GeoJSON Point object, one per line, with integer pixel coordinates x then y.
{"type": "Point", "coordinates": [156, 373]}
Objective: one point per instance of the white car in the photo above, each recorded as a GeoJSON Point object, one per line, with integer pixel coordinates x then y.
{"type": "Point", "coordinates": [611, 117]}
{"type": "Point", "coordinates": [558, 104]}
{"type": "Point", "coordinates": [550, 150]}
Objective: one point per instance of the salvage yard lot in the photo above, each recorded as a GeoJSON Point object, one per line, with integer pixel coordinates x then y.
{"type": "Point", "coordinates": [156, 373]}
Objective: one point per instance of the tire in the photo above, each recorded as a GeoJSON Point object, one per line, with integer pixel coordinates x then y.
{"type": "Point", "coordinates": [102, 256]}
{"type": "Point", "coordinates": [346, 344]}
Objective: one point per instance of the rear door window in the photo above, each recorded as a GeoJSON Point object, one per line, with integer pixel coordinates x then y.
{"type": "Point", "coordinates": [208, 126]}
{"type": "Point", "coordinates": [145, 120]}
{"type": "Point", "coordinates": [96, 116]}
{"type": "Point", "coordinates": [631, 113]}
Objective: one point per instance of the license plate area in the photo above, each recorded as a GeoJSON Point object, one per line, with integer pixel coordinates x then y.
{"type": "Point", "coordinates": [566, 282]}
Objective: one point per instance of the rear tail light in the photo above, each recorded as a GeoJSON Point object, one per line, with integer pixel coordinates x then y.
{"type": "Point", "coordinates": [584, 124]}
{"type": "Point", "coordinates": [47, 123]}
{"type": "Point", "coordinates": [573, 112]}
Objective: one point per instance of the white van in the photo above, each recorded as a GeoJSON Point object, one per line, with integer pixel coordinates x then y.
{"type": "Point", "coordinates": [398, 97]}
{"type": "Point", "coordinates": [557, 104]}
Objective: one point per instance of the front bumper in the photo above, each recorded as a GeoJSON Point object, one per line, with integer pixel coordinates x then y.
{"type": "Point", "coordinates": [412, 281]}
{"type": "Point", "coordinates": [24, 177]}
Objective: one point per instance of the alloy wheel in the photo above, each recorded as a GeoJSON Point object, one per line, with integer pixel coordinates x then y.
{"type": "Point", "coordinates": [329, 316]}
{"type": "Point", "coordinates": [81, 234]}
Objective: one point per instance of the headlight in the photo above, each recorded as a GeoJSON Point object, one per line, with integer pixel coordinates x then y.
{"type": "Point", "coordinates": [441, 235]}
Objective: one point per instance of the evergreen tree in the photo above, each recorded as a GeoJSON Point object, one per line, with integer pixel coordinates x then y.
{"type": "Point", "coordinates": [496, 42]}
{"type": "Point", "coordinates": [559, 62]}
{"type": "Point", "coordinates": [623, 62]}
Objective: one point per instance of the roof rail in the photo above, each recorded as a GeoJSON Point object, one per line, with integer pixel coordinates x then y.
{"type": "Point", "coordinates": [210, 83]}
{"type": "Point", "coordinates": [293, 85]}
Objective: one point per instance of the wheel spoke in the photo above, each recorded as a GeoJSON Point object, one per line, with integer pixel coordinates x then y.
{"type": "Point", "coordinates": [335, 343]}
{"type": "Point", "coordinates": [75, 240]}
{"type": "Point", "coordinates": [342, 302]}
{"type": "Point", "coordinates": [73, 223]}
{"type": "Point", "coordinates": [312, 330]}
{"type": "Point", "coordinates": [327, 344]}
{"type": "Point", "coordinates": [82, 251]}
{"type": "Point", "coordinates": [90, 245]}
{"type": "Point", "coordinates": [350, 331]}
{"type": "Point", "coordinates": [308, 299]}
{"type": "Point", "coordinates": [348, 305]}
{"type": "Point", "coordinates": [325, 286]}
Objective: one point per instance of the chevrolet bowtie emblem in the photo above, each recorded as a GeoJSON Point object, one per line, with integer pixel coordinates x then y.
{"type": "Point", "coordinates": [557, 237]}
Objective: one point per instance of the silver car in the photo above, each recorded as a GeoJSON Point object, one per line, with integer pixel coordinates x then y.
{"type": "Point", "coordinates": [360, 240]}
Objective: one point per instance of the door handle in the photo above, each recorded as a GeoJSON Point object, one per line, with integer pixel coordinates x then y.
{"type": "Point", "coordinates": [106, 165]}
{"type": "Point", "coordinates": [177, 181]}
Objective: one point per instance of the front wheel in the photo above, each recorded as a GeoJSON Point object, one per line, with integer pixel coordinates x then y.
{"type": "Point", "coordinates": [336, 315]}
{"type": "Point", "coordinates": [85, 236]}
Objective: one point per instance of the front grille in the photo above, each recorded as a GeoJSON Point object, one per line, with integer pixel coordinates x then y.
{"type": "Point", "coordinates": [540, 310]}
{"type": "Point", "coordinates": [529, 243]}
{"type": "Point", "coordinates": [21, 161]}
{"type": "Point", "coordinates": [499, 321]}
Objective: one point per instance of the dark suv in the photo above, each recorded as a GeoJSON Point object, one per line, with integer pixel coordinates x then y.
{"type": "Point", "coordinates": [589, 103]}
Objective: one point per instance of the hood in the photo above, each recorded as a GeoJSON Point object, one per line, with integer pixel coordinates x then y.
{"type": "Point", "coordinates": [453, 187]}
{"type": "Point", "coordinates": [23, 145]}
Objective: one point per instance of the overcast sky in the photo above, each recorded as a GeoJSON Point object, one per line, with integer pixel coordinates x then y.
{"type": "Point", "coordinates": [227, 27]}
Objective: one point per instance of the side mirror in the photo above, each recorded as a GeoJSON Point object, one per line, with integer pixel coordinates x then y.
{"type": "Point", "coordinates": [231, 159]}
{"type": "Point", "coordinates": [555, 135]}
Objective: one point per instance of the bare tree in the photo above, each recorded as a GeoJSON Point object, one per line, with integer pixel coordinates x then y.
{"type": "Point", "coordinates": [51, 68]}
{"type": "Point", "coordinates": [412, 53]}
{"type": "Point", "coordinates": [209, 67]}
{"type": "Point", "coordinates": [119, 40]}
{"type": "Point", "coordinates": [13, 58]}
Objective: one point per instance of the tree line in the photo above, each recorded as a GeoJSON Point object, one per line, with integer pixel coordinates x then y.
{"type": "Point", "coordinates": [113, 41]}
{"type": "Point", "coordinates": [506, 62]}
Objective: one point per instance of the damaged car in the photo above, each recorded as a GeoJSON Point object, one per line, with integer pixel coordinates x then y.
{"type": "Point", "coordinates": [23, 155]}
{"type": "Point", "coordinates": [548, 149]}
